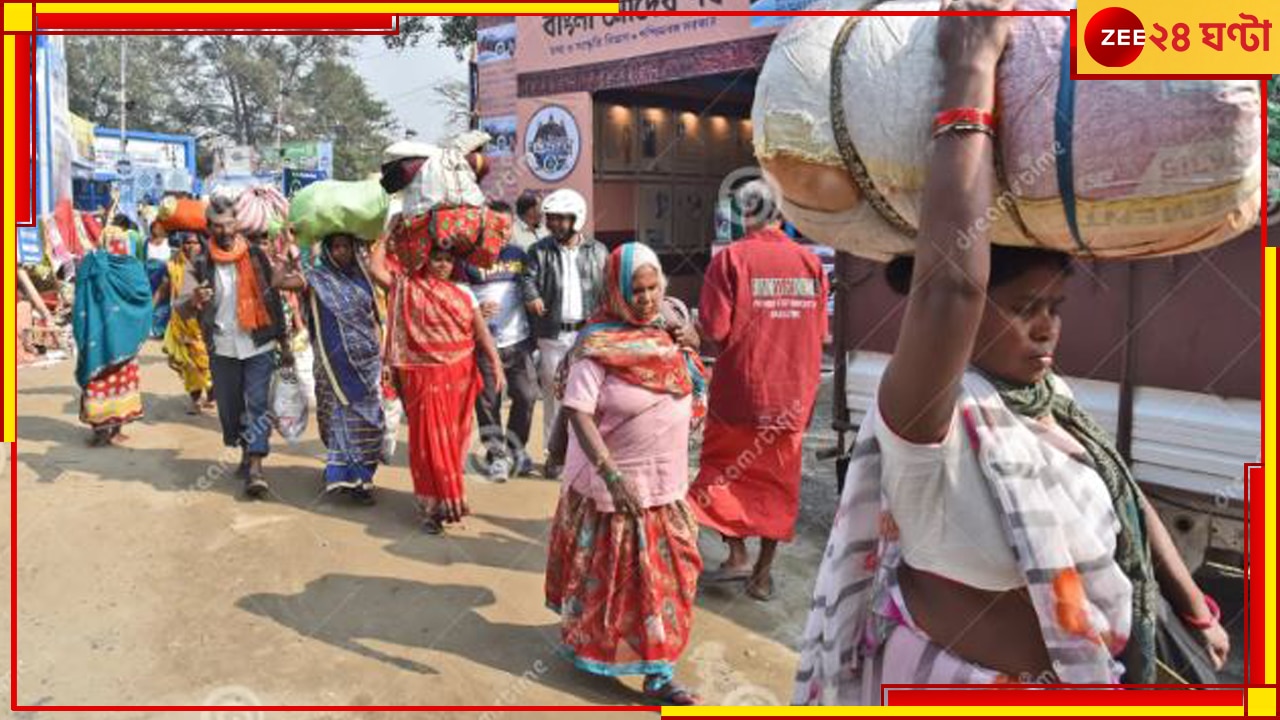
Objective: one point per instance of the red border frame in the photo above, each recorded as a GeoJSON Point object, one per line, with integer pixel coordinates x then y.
{"type": "Point", "coordinates": [1254, 485]}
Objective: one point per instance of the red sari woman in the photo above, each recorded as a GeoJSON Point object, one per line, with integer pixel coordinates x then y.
{"type": "Point", "coordinates": [433, 332]}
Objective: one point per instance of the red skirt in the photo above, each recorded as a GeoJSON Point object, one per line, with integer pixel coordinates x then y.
{"type": "Point", "coordinates": [113, 398]}
{"type": "Point", "coordinates": [624, 587]}
{"type": "Point", "coordinates": [439, 402]}
{"type": "Point", "coordinates": [749, 481]}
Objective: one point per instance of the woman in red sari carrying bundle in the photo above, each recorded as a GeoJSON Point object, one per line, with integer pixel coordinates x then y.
{"type": "Point", "coordinates": [623, 561]}
{"type": "Point", "coordinates": [434, 329]}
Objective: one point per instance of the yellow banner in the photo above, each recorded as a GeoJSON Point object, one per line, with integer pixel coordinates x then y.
{"type": "Point", "coordinates": [1177, 37]}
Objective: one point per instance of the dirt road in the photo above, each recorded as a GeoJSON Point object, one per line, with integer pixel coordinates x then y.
{"type": "Point", "coordinates": [140, 585]}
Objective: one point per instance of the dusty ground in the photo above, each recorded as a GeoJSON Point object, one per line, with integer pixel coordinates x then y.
{"type": "Point", "coordinates": [137, 586]}
{"type": "Point", "coordinates": [141, 585]}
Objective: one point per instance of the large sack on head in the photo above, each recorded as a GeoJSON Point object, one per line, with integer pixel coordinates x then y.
{"type": "Point", "coordinates": [182, 214]}
{"type": "Point", "coordinates": [431, 176]}
{"type": "Point", "coordinates": [1156, 167]}
{"type": "Point", "coordinates": [336, 206]}
{"type": "Point", "coordinates": [260, 209]}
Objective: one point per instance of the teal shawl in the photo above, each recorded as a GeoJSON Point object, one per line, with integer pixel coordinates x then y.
{"type": "Point", "coordinates": [112, 314]}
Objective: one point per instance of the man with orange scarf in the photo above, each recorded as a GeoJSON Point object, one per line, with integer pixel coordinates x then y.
{"type": "Point", "coordinates": [242, 319]}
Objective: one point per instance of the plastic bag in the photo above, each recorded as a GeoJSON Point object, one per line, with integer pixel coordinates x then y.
{"type": "Point", "coordinates": [304, 368]}
{"type": "Point", "coordinates": [393, 415]}
{"type": "Point", "coordinates": [289, 406]}
{"type": "Point", "coordinates": [331, 206]}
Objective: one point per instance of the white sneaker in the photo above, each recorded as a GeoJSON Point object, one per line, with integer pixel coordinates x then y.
{"type": "Point", "coordinates": [499, 470]}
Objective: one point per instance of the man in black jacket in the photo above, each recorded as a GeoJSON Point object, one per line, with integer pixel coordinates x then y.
{"type": "Point", "coordinates": [563, 285]}
{"type": "Point", "coordinates": [242, 318]}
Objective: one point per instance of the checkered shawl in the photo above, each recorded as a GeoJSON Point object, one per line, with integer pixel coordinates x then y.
{"type": "Point", "coordinates": [1059, 521]}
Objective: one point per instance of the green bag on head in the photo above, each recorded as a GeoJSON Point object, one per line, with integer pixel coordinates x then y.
{"type": "Point", "coordinates": [332, 206]}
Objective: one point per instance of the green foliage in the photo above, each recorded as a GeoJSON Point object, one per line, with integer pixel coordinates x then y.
{"type": "Point", "coordinates": [457, 32]}
{"type": "Point", "coordinates": [247, 88]}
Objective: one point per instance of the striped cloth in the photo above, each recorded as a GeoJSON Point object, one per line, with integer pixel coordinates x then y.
{"type": "Point", "coordinates": [1059, 522]}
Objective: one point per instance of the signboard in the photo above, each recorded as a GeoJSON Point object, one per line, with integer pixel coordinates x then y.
{"type": "Point", "coordinates": [496, 43]}
{"type": "Point", "coordinates": [760, 21]}
{"type": "Point", "coordinates": [30, 249]}
{"type": "Point", "coordinates": [295, 180]}
{"type": "Point", "coordinates": [552, 143]}
{"type": "Point", "coordinates": [143, 153]}
{"type": "Point", "coordinates": [308, 155]}
{"type": "Point", "coordinates": [503, 131]}
{"type": "Point", "coordinates": [554, 42]}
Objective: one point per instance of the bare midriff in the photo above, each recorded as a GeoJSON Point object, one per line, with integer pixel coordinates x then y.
{"type": "Point", "coordinates": [995, 629]}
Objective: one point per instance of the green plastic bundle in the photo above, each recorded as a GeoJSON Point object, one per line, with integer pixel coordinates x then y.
{"type": "Point", "coordinates": [335, 206]}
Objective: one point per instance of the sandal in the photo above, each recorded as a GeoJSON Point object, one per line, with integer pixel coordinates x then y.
{"type": "Point", "coordinates": [432, 526]}
{"type": "Point", "coordinates": [669, 693]}
{"type": "Point", "coordinates": [723, 575]}
{"type": "Point", "coordinates": [764, 594]}
{"type": "Point", "coordinates": [256, 486]}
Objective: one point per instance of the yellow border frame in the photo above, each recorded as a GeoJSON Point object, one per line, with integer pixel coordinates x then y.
{"type": "Point", "coordinates": [18, 18]}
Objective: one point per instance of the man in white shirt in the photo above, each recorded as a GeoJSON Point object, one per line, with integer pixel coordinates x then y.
{"type": "Point", "coordinates": [562, 287]}
{"type": "Point", "coordinates": [242, 319]}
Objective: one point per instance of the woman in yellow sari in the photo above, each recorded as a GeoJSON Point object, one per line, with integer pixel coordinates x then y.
{"type": "Point", "coordinates": [183, 341]}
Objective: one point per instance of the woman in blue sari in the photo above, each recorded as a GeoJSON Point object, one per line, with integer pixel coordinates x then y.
{"type": "Point", "coordinates": [111, 319]}
{"type": "Point", "coordinates": [155, 254]}
{"type": "Point", "coordinates": [346, 334]}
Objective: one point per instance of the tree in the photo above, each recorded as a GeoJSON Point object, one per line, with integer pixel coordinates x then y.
{"type": "Point", "coordinates": [455, 96]}
{"type": "Point", "coordinates": [457, 32]}
{"type": "Point", "coordinates": [247, 88]}
{"type": "Point", "coordinates": [343, 109]}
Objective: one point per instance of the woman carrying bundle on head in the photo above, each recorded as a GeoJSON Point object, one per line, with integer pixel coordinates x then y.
{"type": "Point", "coordinates": [434, 330]}
{"type": "Point", "coordinates": [345, 329]}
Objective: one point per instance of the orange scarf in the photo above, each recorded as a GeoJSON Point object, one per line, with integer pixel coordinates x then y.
{"type": "Point", "coordinates": [250, 309]}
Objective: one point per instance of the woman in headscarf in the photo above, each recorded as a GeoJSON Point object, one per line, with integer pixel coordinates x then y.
{"type": "Point", "coordinates": [434, 329]}
{"type": "Point", "coordinates": [989, 531]}
{"type": "Point", "coordinates": [111, 320]}
{"type": "Point", "coordinates": [345, 329]}
{"type": "Point", "coordinates": [623, 562]}
{"type": "Point", "coordinates": [183, 341]}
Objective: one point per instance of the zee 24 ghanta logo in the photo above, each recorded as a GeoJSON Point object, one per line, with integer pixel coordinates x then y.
{"type": "Point", "coordinates": [1115, 36]}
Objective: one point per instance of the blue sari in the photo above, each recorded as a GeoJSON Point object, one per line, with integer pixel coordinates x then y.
{"type": "Point", "coordinates": [344, 325]}
{"type": "Point", "coordinates": [112, 313]}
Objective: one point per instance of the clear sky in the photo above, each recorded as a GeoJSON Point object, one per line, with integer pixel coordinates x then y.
{"type": "Point", "coordinates": [404, 78]}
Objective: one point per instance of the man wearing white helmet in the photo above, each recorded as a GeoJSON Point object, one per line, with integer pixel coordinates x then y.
{"type": "Point", "coordinates": [562, 287]}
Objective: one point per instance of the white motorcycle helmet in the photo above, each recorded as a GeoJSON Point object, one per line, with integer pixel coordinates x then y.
{"type": "Point", "coordinates": [567, 202]}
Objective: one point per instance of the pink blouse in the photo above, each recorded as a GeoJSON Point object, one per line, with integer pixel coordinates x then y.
{"type": "Point", "coordinates": [647, 434]}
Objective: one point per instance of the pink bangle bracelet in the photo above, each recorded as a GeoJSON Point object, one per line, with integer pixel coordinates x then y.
{"type": "Point", "coordinates": [1215, 614]}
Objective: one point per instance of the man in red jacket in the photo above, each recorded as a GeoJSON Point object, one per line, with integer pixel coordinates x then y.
{"type": "Point", "coordinates": [764, 304]}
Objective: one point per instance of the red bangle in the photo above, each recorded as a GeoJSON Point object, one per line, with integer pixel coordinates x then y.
{"type": "Point", "coordinates": [1215, 614]}
{"type": "Point", "coordinates": [970, 116]}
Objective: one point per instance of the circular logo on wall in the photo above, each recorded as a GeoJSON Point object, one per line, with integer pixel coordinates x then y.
{"type": "Point", "coordinates": [552, 143]}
